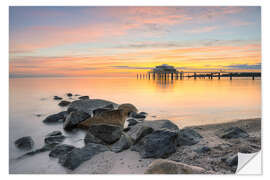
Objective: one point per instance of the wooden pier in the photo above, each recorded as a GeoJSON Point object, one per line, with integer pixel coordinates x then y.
{"type": "Point", "coordinates": [197, 75]}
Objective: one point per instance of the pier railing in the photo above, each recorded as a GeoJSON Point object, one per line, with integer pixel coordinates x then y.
{"type": "Point", "coordinates": [201, 75]}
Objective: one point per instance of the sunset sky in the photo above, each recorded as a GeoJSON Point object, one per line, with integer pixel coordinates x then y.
{"type": "Point", "coordinates": [120, 41]}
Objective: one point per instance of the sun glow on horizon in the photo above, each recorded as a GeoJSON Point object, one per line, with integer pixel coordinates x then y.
{"type": "Point", "coordinates": [123, 41]}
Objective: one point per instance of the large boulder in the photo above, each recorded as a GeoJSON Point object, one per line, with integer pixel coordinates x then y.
{"type": "Point", "coordinates": [112, 117]}
{"type": "Point", "coordinates": [107, 133]}
{"type": "Point", "coordinates": [56, 118]}
{"type": "Point", "coordinates": [55, 137]}
{"type": "Point", "coordinates": [233, 132]}
{"type": "Point", "coordinates": [99, 111]}
{"type": "Point", "coordinates": [61, 150]}
{"type": "Point", "coordinates": [90, 138]}
{"type": "Point", "coordinates": [164, 166]}
{"type": "Point", "coordinates": [138, 131]}
{"type": "Point", "coordinates": [77, 156]}
{"type": "Point", "coordinates": [128, 107]}
{"type": "Point", "coordinates": [24, 143]}
{"type": "Point", "coordinates": [122, 144]}
{"type": "Point", "coordinates": [161, 124]}
{"type": "Point", "coordinates": [159, 144]}
{"type": "Point", "coordinates": [188, 137]}
{"type": "Point", "coordinates": [88, 105]}
{"type": "Point", "coordinates": [74, 118]}
{"type": "Point", "coordinates": [109, 106]}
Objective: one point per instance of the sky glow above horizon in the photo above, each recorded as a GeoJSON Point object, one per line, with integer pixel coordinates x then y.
{"type": "Point", "coordinates": [121, 41]}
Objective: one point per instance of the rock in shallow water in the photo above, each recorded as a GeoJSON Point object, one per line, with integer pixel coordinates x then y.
{"type": "Point", "coordinates": [188, 137]}
{"type": "Point", "coordinates": [74, 118]}
{"type": "Point", "coordinates": [57, 98]}
{"type": "Point", "coordinates": [163, 166]}
{"type": "Point", "coordinates": [88, 105]}
{"type": "Point", "coordinates": [132, 122]}
{"type": "Point", "coordinates": [64, 103]}
{"type": "Point", "coordinates": [73, 159]}
{"type": "Point", "coordinates": [107, 133]}
{"type": "Point", "coordinates": [61, 150]}
{"type": "Point", "coordinates": [55, 137]}
{"type": "Point", "coordinates": [233, 132]}
{"type": "Point", "coordinates": [56, 118]}
{"type": "Point", "coordinates": [25, 143]}
{"type": "Point", "coordinates": [46, 147]}
{"type": "Point", "coordinates": [137, 116]}
{"type": "Point", "coordinates": [159, 144]}
{"type": "Point", "coordinates": [84, 97]}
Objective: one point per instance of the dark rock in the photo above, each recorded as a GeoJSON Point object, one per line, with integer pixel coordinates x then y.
{"type": "Point", "coordinates": [61, 150]}
{"type": "Point", "coordinates": [132, 122]}
{"type": "Point", "coordinates": [45, 148]}
{"type": "Point", "coordinates": [74, 118]}
{"type": "Point", "coordinates": [73, 159]}
{"type": "Point", "coordinates": [88, 105]}
{"type": "Point", "coordinates": [56, 118]}
{"type": "Point", "coordinates": [54, 133]}
{"type": "Point", "coordinates": [138, 131]}
{"type": "Point", "coordinates": [159, 144]}
{"type": "Point", "coordinates": [90, 138]}
{"type": "Point", "coordinates": [109, 106]}
{"type": "Point", "coordinates": [122, 144]}
{"type": "Point", "coordinates": [57, 98]}
{"type": "Point", "coordinates": [107, 133]}
{"type": "Point", "coordinates": [188, 137]}
{"type": "Point", "coordinates": [127, 129]}
{"type": "Point", "coordinates": [161, 124]}
{"type": "Point", "coordinates": [98, 111]}
{"type": "Point", "coordinates": [84, 97]}
{"type": "Point", "coordinates": [24, 143]}
{"type": "Point", "coordinates": [139, 116]}
{"type": "Point", "coordinates": [55, 137]}
{"type": "Point", "coordinates": [232, 161]}
{"type": "Point", "coordinates": [203, 149]}
{"type": "Point", "coordinates": [143, 113]}
{"type": "Point", "coordinates": [234, 132]}
{"type": "Point", "coordinates": [69, 94]}
{"type": "Point", "coordinates": [38, 115]}
{"type": "Point", "coordinates": [64, 103]}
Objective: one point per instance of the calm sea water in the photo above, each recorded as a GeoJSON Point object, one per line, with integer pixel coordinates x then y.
{"type": "Point", "coordinates": [186, 102]}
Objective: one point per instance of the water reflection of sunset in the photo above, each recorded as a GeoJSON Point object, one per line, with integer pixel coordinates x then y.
{"type": "Point", "coordinates": [186, 101]}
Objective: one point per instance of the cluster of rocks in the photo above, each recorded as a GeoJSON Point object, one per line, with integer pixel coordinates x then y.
{"type": "Point", "coordinates": [107, 131]}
